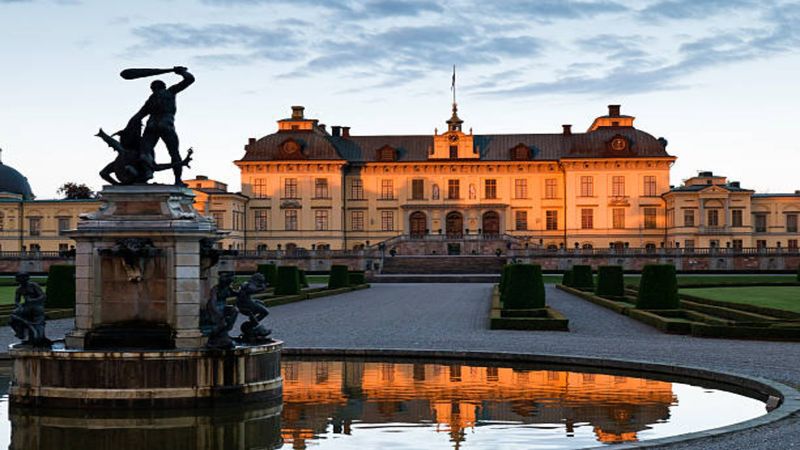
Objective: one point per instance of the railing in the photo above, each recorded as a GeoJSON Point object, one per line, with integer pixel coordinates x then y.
{"type": "Point", "coordinates": [37, 255]}
{"type": "Point", "coordinates": [657, 252]}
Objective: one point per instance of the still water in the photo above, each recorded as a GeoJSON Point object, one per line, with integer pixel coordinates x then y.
{"type": "Point", "coordinates": [358, 404]}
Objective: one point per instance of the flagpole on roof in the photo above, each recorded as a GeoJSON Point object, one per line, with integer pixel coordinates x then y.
{"type": "Point", "coordinates": [453, 85]}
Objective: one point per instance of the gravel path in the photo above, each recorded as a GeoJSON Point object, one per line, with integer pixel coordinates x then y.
{"type": "Point", "coordinates": [455, 317]}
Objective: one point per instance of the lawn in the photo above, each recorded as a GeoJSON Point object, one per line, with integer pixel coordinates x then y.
{"type": "Point", "coordinates": [777, 297]}
{"type": "Point", "coordinates": [722, 279]}
{"type": "Point", "coordinates": [7, 295]}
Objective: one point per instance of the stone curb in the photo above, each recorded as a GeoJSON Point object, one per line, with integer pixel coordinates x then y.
{"type": "Point", "coordinates": [760, 388]}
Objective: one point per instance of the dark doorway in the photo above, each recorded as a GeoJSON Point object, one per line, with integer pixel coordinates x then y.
{"type": "Point", "coordinates": [453, 249]}
{"type": "Point", "coordinates": [491, 223]}
{"type": "Point", "coordinates": [418, 221]}
{"type": "Point", "coordinates": [454, 224]}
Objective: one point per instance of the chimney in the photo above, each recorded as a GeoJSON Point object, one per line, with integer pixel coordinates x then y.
{"type": "Point", "coordinates": [297, 112]}
{"type": "Point", "coordinates": [336, 130]}
{"type": "Point", "coordinates": [346, 132]}
{"type": "Point", "coordinates": [735, 184]}
{"type": "Point", "coordinates": [201, 177]}
{"type": "Point", "coordinates": [613, 110]}
{"type": "Point", "coordinates": [322, 127]}
{"type": "Point", "coordinates": [567, 129]}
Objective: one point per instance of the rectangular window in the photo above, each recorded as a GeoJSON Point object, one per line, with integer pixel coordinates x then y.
{"type": "Point", "coordinates": [35, 225]}
{"type": "Point", "coordinates": [792, 244]}
{"type": "Point", "coordinates": [320, 188]}
{"type": "Point", "coordinates": [587, 218]}
{"type": "Point", "coordinates": [550, 188]}
{"type": "Point", "coordinates": [650, 186]}
{"type": "Point", "coordinates": [521, 219]}
{"type": "Point", "coordinates": [791, 223]}
{"type": "Point", "coordinates": [260, 188]}
{"type": "Point", "coordinates": [551, 220]}
{"type": "Point", "coordinates": [618, 186]}
{"type": "Point", "coordinates": [761, 223]}
{"type": "Point", "coordinates": [618, 218]}
{"type": "Point", "coordinates": [453, 190]}
{"type": "Point", "coordinates": [761, 244]}
{"type": "Point", "coordinates": [736, 218]}
{"type": "Point", "coordinates": [63, 247]}
{"type": "Point", "coordinates": [357, 189]}
{"type": "Point", "coordinates": [587, 186]}
{"type": "Point", "coordinates": [63, 224]}
{"type": "Point", "coordinates": [453, 152]}
{"type": "Point", "coordinates": [737, 244]}
{"type": "Point", "coordinates": [520, 188]}
{"type": "Point", "coordinates": [689, 243]}
{"type": "Point", "coordinates": [650, 217]}
{"type": "Point", "coordinates": [387, 189]}
{"type": "Point", "coordinates": [417, 189]}
{"type": "Point", "coordinates": [290, 216]}
{"type": "Point", "coordinates": [490, 189]}
{"type": "Point", "coordinates": [218, 217]}
{"type": "Point", "coordinates": [321, 220]}
{"type": "Point", "coordinates": [357, 220]}
{"type": "Point", "coordinates": [688, 217]}
{"type": "Point", "coordinates": [290, 188]}
{"type": "Point", "coordinates": [387, 220]}
{"type": "Point", "coordinates": [713, 218]}
{"type": "Point", "coordinates": [260, 216]}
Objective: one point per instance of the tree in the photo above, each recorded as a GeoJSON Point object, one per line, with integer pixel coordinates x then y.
{"type": "Point", "coordinates": [75, 191]}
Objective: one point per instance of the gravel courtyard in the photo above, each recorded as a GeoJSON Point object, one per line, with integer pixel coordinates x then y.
{"type": "Point", "coordinates": [454, 317]}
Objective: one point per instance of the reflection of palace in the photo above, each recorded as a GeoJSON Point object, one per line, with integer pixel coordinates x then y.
{"type": "Point", "coordinates": [456, 397]}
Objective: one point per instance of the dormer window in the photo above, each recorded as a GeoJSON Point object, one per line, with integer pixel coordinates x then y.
{"type": "Point", "coordinates": [521, 153]}
{"type": "Point", "coordinates": [387, 153]}
{"type": "Point", "coordinates": [453, 152]}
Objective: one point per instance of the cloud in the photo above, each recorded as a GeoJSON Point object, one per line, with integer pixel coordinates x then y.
{"type": "Point", "coordinates": [695, 9]}
{"type": "Point", "coordinates": [549, 10]}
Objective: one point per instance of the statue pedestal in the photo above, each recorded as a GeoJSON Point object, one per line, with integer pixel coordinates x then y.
{"type": "Point", "coordinates": [144, 268]}
{"type": "Point", "coordinates": [139, 278]}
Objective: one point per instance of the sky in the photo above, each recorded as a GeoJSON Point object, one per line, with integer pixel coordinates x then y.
{"type": "Point", "coordinates": [716, 78]}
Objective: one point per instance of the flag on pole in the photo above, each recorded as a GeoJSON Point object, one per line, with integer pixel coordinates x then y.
{"type": "Point", "coordinates": [453, 86]}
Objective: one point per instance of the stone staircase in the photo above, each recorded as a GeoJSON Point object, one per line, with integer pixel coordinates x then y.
{"type": "Point", "coordinates": [442, 265]}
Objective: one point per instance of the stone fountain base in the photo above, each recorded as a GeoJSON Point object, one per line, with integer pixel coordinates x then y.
{"type": "Point", "coordinates": [145, 379]}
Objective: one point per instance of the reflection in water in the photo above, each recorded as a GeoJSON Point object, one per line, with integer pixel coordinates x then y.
{"type": "Point", "coordinates": [355, 404]}
{"type": "Point", "coordinates": [456, 398]}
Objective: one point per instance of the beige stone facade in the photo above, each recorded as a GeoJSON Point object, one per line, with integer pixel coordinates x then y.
{"type": "Point", "coordinates": [308, 186]}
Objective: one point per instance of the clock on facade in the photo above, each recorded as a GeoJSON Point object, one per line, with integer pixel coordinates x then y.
{"type": "Point", "coordinates": [453, 138]}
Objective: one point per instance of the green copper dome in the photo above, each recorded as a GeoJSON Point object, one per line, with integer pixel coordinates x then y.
{"type": "Point", "coordinates": [14, 182]}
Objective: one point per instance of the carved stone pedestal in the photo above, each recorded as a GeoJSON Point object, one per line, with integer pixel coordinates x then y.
{"type": "Point", "coordinates": [139, 279]}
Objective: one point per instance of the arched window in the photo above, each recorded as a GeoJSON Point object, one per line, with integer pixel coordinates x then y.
{"type": "Point", "coordinates": [262, 247]}
{"type": "Point", "coordinates": [587, 246]}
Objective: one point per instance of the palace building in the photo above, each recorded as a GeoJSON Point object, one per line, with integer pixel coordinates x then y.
{"type": "Point", "coordinates": [305, 186]}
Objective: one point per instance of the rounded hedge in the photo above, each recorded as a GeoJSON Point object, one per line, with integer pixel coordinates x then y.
{"type": "Point", "coordinates": [658, 288]}
{"type": "Point", "coordinates": [356, 278]}
{"type": "Point", "coordinates": [270, 272]}
{"type": "Point", "coordinates": [60, 288]}
{"type": "Point", "coordinates": [523, 287]}
{"type": "Point", "coordinates": [582, 277]}
{"type": "Point", "coordinates": [610, 281]}
{"type": "Point", "coordinates": [503, 273]}
{"type": "Point", "coordinates": [288, 281]}
{"type": "Point", "coordinates": [566, 279]}
{"type": "Point", "coordinates": [798, 272]}
{"type": "Point", "coordinates": [338, 277]}
{"type": "Point", "coordinates": [303, 279]}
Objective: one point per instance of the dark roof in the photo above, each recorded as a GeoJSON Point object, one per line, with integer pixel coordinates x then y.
{"type": "Point", "coordinates": [492, 147]}
{"type": "Point", "coordinates": [787, 194]}
{"type": "Point", "coordinates": [14, 182]}
{"type": "Point", "coordinates": [700, 187]}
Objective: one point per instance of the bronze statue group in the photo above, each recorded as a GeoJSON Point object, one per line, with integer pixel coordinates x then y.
{"type": "Point", "coordinates": [218, 317]}
{"type": "Point", "coordinates": [135, 162]}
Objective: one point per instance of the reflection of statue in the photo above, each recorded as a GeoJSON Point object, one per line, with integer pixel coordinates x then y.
{"type": "Point", "coordinates": [27, 318]}
{"type": "Point", "coordinates": [218, 317]}
{"type": "Point", "coordinates": [436, 192]}
{"type": "Point", "coordinates": [252, 331]}
{"type": "Point", "coordinates": [160, 109]}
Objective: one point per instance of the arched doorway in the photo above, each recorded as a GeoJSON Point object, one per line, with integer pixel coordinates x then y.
{"type": "Point", "coordinates": [454, 225]}
{"type": "Point", "coordinates": [418, 221]}
{"type": "Point", "coordinates": [491, 223]}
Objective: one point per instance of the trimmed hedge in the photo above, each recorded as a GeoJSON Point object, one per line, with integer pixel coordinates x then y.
{"type": "Point", "coordinates": [610, 281]}
{"type": "Point", "coordinates": [503, 274]}
{"type": "Point", "coordinates": [798, 272]}
{"type": "Point", "coordinates": [658, 288]}
{"type": "Point", "coordinates": [566, 279]}
{"type": "Point", "coordinates": [61, 286]}
{"type": "Point", "coordinates": [582, 277]}
{"type": "Point", "coordinates": [356, 277]}
{"type": "Point", "coordinates": [303, 279]}
{"type": "Point", "coordinates": [270, 272]}
{"type": "Point", "coordinates": [338, 277]}
{"type": "Point", "coordinates": [523, 287]}
{"type": "Point", "coordinates": [288, 281]}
